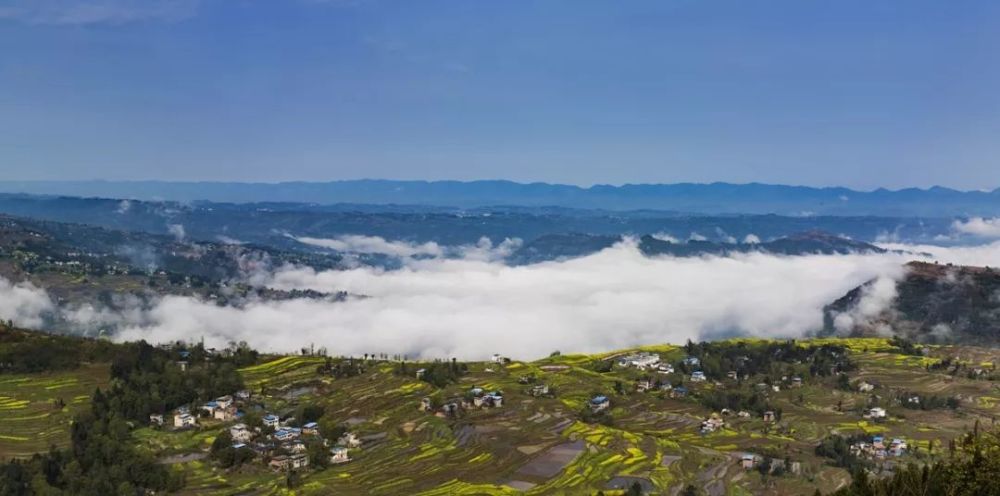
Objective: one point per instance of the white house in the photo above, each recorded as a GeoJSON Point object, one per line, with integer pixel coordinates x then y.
{"type": "Point", "coordinates": [665, 368]}
{"type": "Point", "coordinates": [350, 440]}
{"type": "Point", "coordinates": [865, 387]}
{"type": "Point", "coordinates": [156, 419]}
{"type": "Point", "coordinates": [876, 413]}
{"type": "Point", "coordinates": [339, 454]}
{"type": "Point", "coordinates": [299, 461]}
{"type": "Point", "coordinates": [184, 419]}
{"type": "Point", "coordinates": [642, 360]}
{"type": "Point", "coordinates": [240, 433]}
{"type": "Point", "coordinates": [697, 376]}
{"type": "Point", "coordinates": [224, 401]}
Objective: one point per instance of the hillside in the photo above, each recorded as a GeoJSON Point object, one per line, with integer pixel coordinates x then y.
{"type": "Point", "coordinates": [934, 303]}
{"type": "Point", "coordinates": [269, 223]}
{"type": "Point", "coordinates": [552, 441]}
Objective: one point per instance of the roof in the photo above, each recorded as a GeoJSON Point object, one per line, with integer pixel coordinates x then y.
{"type": "Point", "coordinates": [599, 399]}
{"type": "Point", "coordinates": [311, 425]}
{"type": "Point", "coordinates": [270, 417]}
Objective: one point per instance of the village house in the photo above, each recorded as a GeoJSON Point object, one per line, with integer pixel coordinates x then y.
{"type": "Point", "coordinates": [875, 413]}
{"type": "Point", "coordinates": [642, 360]}
{"type": "Point", "coordinates": [294, 446]}
{"type": "Point", "coordinates": [310, 429]}
{"type": "Point", "coordinates": [420, 373]}
{"type": "Point", "coordinates": [449, 409]}
{"type": "Point", "coordinates": [243, 395]}
{"type": "Point", "coordinates": [271, 420]}
{"type": "Point", "coordinates": [732, 375]}
{"type": "Point", "coordinates": [156, 419]}
{"type": "Point", "coordinates": [878, 449]}
{"type": "Point", "coordinates": [350, 440]}
{"type": "Point", "coordinates": [748, 461]}
{"type": "Point", "coordinates": [743, 414]}
{"type": "Point", "coordinates": [339, 454]}
{"type": "Point", "coordinates": [643, 385]}
{"type": "Point", "coordinates": [540, 390]}
{"type": "Point", "coordinates": [796, 382]}
{"type": "Point", "coordinates": [865, 387]}
{"type": "Point", "coordinates": [183, 419]}
{"type": "Point", "coordinates": [183, 365]}
{"type": "Point", "coordinates": [210, 407]}
{"type": "Point", "coordinates": [426, 404]}
{"type": "Point", "coordinates": [691, 361]}
{"type": "Point", "coordinates": [698, 376]}
{"type": "Point", "coordinates": [493, 399]}
{"type": "Point", "coordinates": [280, 463]}
{"type": "Point", "coordinates": [599, 403]}
{"type": "Point", "coordinates": [665, 368]}
{"type": "Point", "coordinates": [224, 401]}
{"type": "Point", "coordinates": [712, 424]}
{"type": "Point", "coordinates": [226, 414]}
{"type": "Point", "coordinates": [679, 392]}
{"type": "Point", "coordinates": [241, 433]}
{"type": "Point", "coordinates": [768, 416]}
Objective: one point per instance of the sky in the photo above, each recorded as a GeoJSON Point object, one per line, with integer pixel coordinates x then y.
{"type": "Point", "coordinates": [857, 93]}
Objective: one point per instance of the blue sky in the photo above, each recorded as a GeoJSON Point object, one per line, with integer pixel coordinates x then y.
{"type": "Point", "coordinates": [861, 93]}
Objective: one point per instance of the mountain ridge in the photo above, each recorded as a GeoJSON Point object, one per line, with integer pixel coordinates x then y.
{"type": "Point", "coordinates": [716, 198]}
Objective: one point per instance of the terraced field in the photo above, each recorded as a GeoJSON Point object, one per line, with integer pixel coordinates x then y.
{"type": "Point", "coordinates": [31, 416]}
{"type": "Point", "coordinates": [539, 445]}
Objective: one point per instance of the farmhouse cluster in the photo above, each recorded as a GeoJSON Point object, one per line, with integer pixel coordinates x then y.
{"type": "Point", "coordinates": [282, 443]}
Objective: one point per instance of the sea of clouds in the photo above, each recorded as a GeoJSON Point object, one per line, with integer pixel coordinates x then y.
{"type": "Point", "coordinates": [470, 304]}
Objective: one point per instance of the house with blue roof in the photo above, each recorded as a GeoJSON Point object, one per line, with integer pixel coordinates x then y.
{"type": "Point", "coordinates": [599, 403]}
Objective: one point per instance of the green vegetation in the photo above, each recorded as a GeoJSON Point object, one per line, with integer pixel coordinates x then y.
{"type": "Point", "coordinates": [531, 444]}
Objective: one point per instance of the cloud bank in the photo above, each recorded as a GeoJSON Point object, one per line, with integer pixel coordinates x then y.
{"type": "Point", "coordinates": [473, 306]}
{"type": "Point", "coordinates": [978, 226]}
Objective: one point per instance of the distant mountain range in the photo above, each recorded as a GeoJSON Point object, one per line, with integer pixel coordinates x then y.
{"type": "Point", "coordinates": [715, 198]}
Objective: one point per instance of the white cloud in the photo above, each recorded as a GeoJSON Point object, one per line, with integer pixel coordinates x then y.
{"type": "Point", "coordinates": [177, 230]}
{"type": "Point", "coordinates": [471, 309]}
{"type": "Point", "coordinates": [77, 12]}
{"type": "Point", "coordinates": [978, 226]}
{"type": "Point", "coordinates": [353, 243]}
{"type": "Point", "coordinates": [875, 299]}
{"type": "Point", "coordinates": [978, 255]}
{"type": "Point", "coordinates": [662, 236]}
{"type": "Point", "coordinates": [751, 239]}
{"type": "Point", "coordinates": [359, 244]}
{"type": "Point", "coordinates": [24, 303]}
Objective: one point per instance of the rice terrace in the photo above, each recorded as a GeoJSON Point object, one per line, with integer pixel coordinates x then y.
{"type": "Point", "coordinates": [425, 428]}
